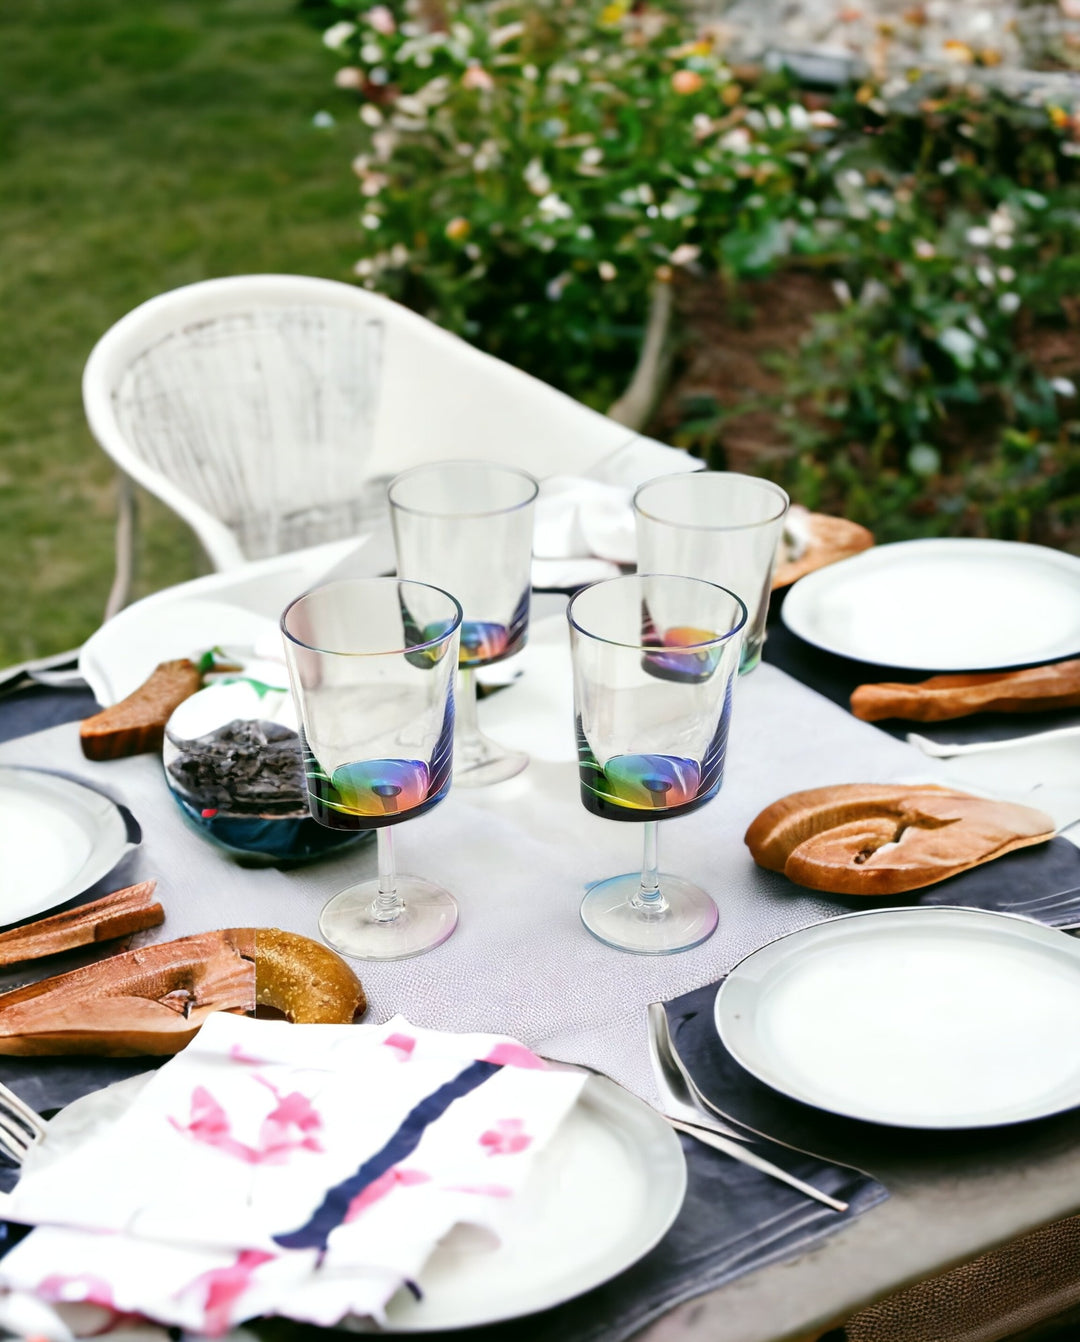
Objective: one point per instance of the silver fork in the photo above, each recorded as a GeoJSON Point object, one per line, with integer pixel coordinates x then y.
{"type": "Point", "coordinates": [687, 1110]}
{"type": "Point", "coordinates": [20, 1127]}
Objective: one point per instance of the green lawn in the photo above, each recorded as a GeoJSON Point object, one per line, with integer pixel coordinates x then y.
{"type": "Point", "coordinates": [142, 146]}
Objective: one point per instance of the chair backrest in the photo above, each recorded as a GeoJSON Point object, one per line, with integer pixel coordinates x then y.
{"type": "Point", "coordinates": [267, 410]}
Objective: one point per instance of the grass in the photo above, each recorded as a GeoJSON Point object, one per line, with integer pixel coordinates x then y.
{"type": "Point", "coordinates": [141, 147]}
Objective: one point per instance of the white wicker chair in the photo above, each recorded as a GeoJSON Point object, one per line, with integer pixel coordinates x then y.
{"type": "Point", "coordinates": [266, 410]}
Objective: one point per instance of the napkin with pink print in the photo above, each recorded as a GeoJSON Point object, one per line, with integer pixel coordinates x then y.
{"type": "Point", "coordinates": [270, 1168]}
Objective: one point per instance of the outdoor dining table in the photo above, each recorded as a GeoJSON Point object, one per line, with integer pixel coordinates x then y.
{"type": "Point", "coordinates": [517, 857]}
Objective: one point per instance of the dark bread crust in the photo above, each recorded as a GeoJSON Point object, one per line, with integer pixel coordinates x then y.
{"type": "Point", "coordinates": [136, 725]}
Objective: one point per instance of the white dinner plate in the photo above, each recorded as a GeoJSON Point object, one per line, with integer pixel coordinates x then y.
{"type": "Point", "coordinates": [601, 1196]}
{"type": "Point", "coordinates": [920, 1018]}
{"type": "Point", "coordinates": [57, 838]}
{"type": "Point", "coordinates": [943, 605]}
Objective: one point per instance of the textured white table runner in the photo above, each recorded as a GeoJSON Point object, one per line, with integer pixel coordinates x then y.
{"type": "Point", "coordinates": [518, 856]}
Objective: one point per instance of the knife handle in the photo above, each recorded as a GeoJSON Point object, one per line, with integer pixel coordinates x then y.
{"type": "Point", "coordinates": [748, 1157]}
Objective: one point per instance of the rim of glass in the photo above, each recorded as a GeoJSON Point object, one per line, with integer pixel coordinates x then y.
{"type": "Point", "coordinates": [768, 485]}
{"type": "Point", "coordinates": [367, 582]}
{"type": "Point", "coordinates": [462, 461]}
{"type": "Point", "coordinates": [643, 647]}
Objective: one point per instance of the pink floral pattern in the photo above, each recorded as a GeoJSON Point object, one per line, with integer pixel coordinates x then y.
{"type": "Point", "coordinates": [224, 1286]}
{"type": "Point", "coordinates": [395, 1177]}
{"type": "Point", "coordinates": [402, 1044]}
{"type": "Point", "coordinates": [290, 1127]}
{"type": "Point", "coordinates": [506, 1138]}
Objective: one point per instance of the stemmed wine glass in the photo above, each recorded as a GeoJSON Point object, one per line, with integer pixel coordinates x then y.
{"type": "Point", "coordinates": [468, 526]}
{"type": "Point", "coordinates": [655, 658]}
{"type": "Point", "coordinates": [372, 664]}
{"type": "Point", "coordinates": [720, 526]}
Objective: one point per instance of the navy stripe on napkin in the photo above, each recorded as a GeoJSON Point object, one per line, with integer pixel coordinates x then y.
{"type": "Point", "coordinates": [332, 1210]}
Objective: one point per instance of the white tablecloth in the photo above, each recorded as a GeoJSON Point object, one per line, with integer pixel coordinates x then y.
{"type": "Point", "coordinates": [518, 856]}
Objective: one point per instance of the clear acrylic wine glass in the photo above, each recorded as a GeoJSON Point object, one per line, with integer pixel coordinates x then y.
{"type": "Point", "coordinates": [468, 525]}
{"type": "Point", "coordinates": [372, 663]}
{"type": "Point", "coordinates": [720, 526]}
{"type": "Point", "coordinates": [655, 658]}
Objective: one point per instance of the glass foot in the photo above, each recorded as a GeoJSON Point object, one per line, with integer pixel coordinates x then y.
{"type": "Point", "coordinates": [479, 761]}
{"type": "Point", "coordinates": [613, 914]}
{"type": "Point", "coordinates": [349, 924]}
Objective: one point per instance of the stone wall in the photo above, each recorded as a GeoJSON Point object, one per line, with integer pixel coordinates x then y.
{"type": "Point", "coordinates": [883, 37]}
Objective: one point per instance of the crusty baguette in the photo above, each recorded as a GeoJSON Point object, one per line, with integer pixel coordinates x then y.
{"type": "Point", "coordinates": [136, 724]}
{"type": "Point", "coordinates": [827, 539]}
{"type": "Point", "coordinates": [884, 839]}
{"type": "Point", "coordinates": [117, 915]}
{"type": "Point", "coordinates": [943, 697]}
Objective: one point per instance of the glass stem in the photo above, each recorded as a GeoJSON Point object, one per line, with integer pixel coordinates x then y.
{"type": "Point", "coordinates": [466, 723]}
{"type": "Point", "coordinates": [650, 898]}
{"type": "Point", "coordinates": [387, 904]}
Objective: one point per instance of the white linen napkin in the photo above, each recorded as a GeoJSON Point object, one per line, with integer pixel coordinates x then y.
{"type": "Point", "coordinates": [270, 1168]}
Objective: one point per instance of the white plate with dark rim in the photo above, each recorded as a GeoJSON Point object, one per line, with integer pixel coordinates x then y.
{"type": "Point", "coordinates": [57, 838]}
{"type": "Point", "coordinates": [943, 605]}
{"type": "Point", "coordinates": [605, 1192]}
{"type": "Point", "coordinates": [933, 1018]}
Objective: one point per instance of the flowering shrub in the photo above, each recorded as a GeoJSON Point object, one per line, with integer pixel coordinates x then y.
{"type": "Point", "coordinates": [530, 169]}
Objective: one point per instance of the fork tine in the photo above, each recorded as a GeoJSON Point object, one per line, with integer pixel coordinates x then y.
{"type": "Point", "coordinates": [19, 1110]}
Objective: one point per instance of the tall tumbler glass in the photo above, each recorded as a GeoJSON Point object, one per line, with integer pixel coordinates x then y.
{"type": "Point", "coordinates": [719, 526]}
{"type": "Point", "coordinates": [655, 658]}
{"type": "Point", "coordinates": [372, 664]}
{"type": "Point", "coordinates": [468, 526]}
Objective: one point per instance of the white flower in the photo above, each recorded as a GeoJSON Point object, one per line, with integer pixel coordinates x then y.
{"type": "Point", "coordinates": [685, 254]}
{"type": "Point", "coordinates": [823, 120]}
{"type": "Point", "coordinates": [411, 106]}
{"type": "Point", "coordinates": [872, 293]}
{"type": "Point", "coordinates": [738, 141]}
{"type": "Point", "coordinates": [1009, 302]}
{"type": "Point", "coordinates": [923, 459]}
{"type": "Point", "coordinates": [585, 233]}
{"type": "Point", "coordinates": [370, 115]}
{"type": "Point", "coordinates": [500, 36]}
{"type": "Point", "coordinates": [399, 255]}
{"type": "Point", "coordinates": [552, 207]}
{"type": "Point", "coordinates": [960, 344]}
{"type": "Point", "coordinates": [1063, 386]}
{"type": "Point", "coordinates": [423, 59]}
{"type": "Point", "coordinates": [925, 251]}
{"type": "Point", "coordinates": [842, 291]}
{"type": "Point", "coordinates": [852, 178]}
{"type": "Point", "coordinates": [536, 179]}
{"type": "Point", "coordinates": [349, 77]}
{"type": "Point", "coordinates": [774, 117]}
{"type": "Point", "coordinates": [323, 120]}
{"type": "Point", "coordinates": [1006, 274]}
{"type": "Point", "coordinates": [592, 156]}
{"type": "Point", "coordinates": [364, 268]}
{"type": "Point", "coordinates": [979, 237]}
{"type": "Point", "coordinates": [1071, 149]}
{"type": "Point", "coordinates": [554, 288]}
{"type": "Point", "coordinates": [1002, 225]}
{"type": "Point", "coordinates": [381, 19]}
{"type": "Point", "coordinates": [371, 53]}
{"type": "Point", "coordinates": [373, 183]}
{"type": "Point", "coordinates": [947, 167]}
{"type": "Point", "coordinates": [606, 270]}
{"type": "Point", "coordinates": [985, 276]}
{"type": "Point", "coordinates": [977, 327]}
{"type": "Point", "coordinates": [799, 117]}
{"type": "Point", "coordinates": [370, 220]}
{"type": "Point", "coordinates": [530, 72]}
{"type": "Point", "coordinates": [338, 34]}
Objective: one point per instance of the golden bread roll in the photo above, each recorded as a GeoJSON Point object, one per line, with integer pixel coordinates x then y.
{"type": "Point", "coordinates": [154, 999]}
{"type": "Point", "coordinates": [884, 839]}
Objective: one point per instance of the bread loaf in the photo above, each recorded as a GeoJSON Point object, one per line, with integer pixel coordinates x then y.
{"type": "Point", "coordinates": [940, 698]}
{"type": "Point", "coordinates": [884, 839]}
{"type": "Point", "coordinates": [818, 540]}
{"type": "Point", "coordinates": [136, 724]}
